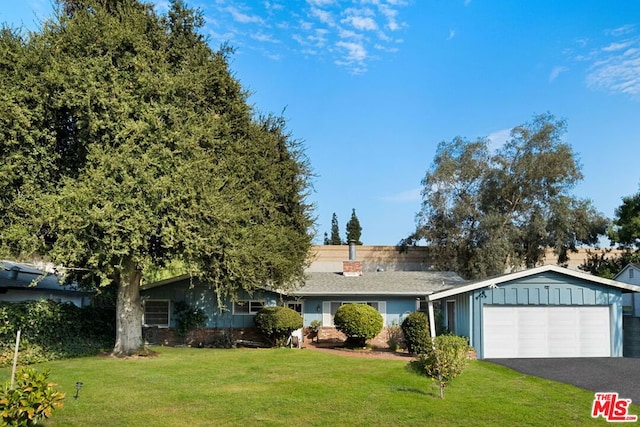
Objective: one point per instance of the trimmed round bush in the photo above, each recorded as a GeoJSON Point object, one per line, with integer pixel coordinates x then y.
{"type": "Point", "coordinates": [359, 322]}
{"type": "Point", "coordinates": [277, 324]}
{"type": "Point", "coordinates": [415, 328]}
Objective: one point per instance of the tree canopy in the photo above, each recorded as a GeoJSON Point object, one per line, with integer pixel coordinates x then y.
{"type": "Point", "coordinates": [126, 142]}
{"type": "Point", "coordinates": [484, 212]}
{"type": "Point", "coordinates": [623, 232]}
{"type": "Point", "coordinates": [354, 230]}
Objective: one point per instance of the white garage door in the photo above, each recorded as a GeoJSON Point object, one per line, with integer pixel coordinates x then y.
{"type": "Point", "coordinates": [546, 331]}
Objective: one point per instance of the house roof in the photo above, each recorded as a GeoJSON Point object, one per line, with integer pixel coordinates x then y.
{"type": "Point", "coordinates": [379, 283]}
{"type": "Point", "coordinates": [21, 275]}
{"type": "Point", "coordinates": [627, 267]}
{"type": "Point", "coordinates": [495, 281]}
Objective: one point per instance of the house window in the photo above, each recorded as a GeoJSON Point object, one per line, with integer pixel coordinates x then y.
{"type": "Point", "coordinates": [247, 307]}
{"type": "Point", "coordinates": [156, 313]}
{"type": "Point", "coordinates": [295, 306]}
{"type": "Point", "coordinates": [631, 273]}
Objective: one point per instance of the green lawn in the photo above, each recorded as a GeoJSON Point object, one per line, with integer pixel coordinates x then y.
{"type": "Point", "coordinates": [205, 387]}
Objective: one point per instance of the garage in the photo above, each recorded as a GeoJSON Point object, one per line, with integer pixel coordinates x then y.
{"type": "Point", "coordinates": [541, 312]}
{"type": "Point", "coordinates": [524, 332]}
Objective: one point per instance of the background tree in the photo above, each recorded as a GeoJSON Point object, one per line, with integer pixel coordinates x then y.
{"type": "Point", "coordinates": [625, 233]}
{"type": "Point", "coordinates": [127, 143]}
{"type": "Point", "coordinates": [335, 231]}
{"type": "Point", "coordinates": [483, 213]}
{"type": "Point", "coordinates": [354, 230]}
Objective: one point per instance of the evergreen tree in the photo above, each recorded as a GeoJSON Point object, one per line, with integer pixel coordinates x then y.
{"type": "Point", "coordinates": [326, 240]}
{"type": "Point", "coordinates": [354, 230]}
{"type": "Point", "coordinates": [335, 231]}
{"type": "Point", "coordinates": [126, 142]}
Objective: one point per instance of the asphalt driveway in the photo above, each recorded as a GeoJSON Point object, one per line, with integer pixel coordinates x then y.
{"type": "Point", "coordinates": [601, 374]}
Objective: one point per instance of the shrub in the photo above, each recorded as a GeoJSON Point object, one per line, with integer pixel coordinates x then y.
{"type": "Point", "coordinates": [446, 360]}
{"type": "Point", "coordinates": [188, 318]}
{"type": "Point", "coordinates": [277, 324]}
{"type": "Point", "coordinates": [53, 330]}
{"type": "Point", "coordinates": [395, 337]}
{"type": "Point", "coordinates": [415, 328]}
{"type": "Point", "coordinates": [359, 322]}
{"type": "Point", "coordinates": [32, 399]}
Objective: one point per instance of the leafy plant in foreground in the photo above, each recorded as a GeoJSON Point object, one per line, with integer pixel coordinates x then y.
{"type": "Point", "coordinates": [446, 359]}
{"type": "Point", "coordinates": [32, 399]}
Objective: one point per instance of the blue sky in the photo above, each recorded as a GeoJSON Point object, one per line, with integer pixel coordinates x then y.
{"type": "Point", "coordinates": [372, 86]}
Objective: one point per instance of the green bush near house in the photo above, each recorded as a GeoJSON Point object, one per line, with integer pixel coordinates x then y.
{"type": "Point", "coordinates": [277, 324]}
{"type": "Point", "coordinates": [188, 318]}
{"type": "Point", "coordinates": [415, 328]}
{"type": "Point", "coordinates": [359, 322]}
{"type": "Point", "coordinates": [32, 398]}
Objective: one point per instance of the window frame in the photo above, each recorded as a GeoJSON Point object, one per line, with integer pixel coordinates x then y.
{"type": "Point", "coordinates": [251, 310]}
{"type": "Point", "coordinates": [144, 313]}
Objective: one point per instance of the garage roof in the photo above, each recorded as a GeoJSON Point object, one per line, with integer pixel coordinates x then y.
{"type": "Point", "coordinates": [495, 281]}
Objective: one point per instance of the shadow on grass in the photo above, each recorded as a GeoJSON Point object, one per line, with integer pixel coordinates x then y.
{"type": "Point", "coordinates": [415, 391]}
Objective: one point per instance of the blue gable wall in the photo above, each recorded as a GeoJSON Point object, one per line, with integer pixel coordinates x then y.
{"type": "Point", "coordinates": [546, 289]}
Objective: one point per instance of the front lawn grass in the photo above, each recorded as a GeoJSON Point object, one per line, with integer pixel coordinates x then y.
{"type": "Point", "coordinates": [207, 387]}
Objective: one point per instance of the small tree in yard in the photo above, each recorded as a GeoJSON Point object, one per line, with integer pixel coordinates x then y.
{"type": "Point", "coordinates": [277, 324]}
{"type": "Point", "coordinates": [415, 328]}
{"type": "Point", "coordinates": [359, 322]}
{"type": "Point", "coordinates": [446, 359]}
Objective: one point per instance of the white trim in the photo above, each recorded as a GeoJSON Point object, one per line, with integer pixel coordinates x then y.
{"type": "Point", "coordinates": [251, 312]}
{"type": "Point", "coordinates": [530, 272]}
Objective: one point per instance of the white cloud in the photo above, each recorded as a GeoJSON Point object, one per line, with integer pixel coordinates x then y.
{"type": "Point", "coordinates": [556, 71]}
{"type": "Point", "coordinates": [616, 46]}
{"type": "Point", "coordinates": [361, 23]}
{"type": "Point", "coordinates": [324, 16]}
{"type": "Point", "coordinates": [242, 17]}
{"type": "Point", "coordinates": [412, 195]}
{"type": "Point", "coordinates": [451, 35]}
{"type": "Point", "coordinates": [615, 68]}
{"type": "Point", "coordinates": [498, 138]}
{"type": "Point", "coordinates": [343, 31]}
{"type": "Point", "coordinates": [355, 51]}
{"type": "Point", "coordinates": [320, 3]}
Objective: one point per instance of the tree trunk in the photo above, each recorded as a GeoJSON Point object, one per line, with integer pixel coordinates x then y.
{"type": "Point", "coordinates": [128, 312]}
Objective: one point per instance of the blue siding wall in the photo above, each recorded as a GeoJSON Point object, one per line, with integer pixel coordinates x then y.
{"type": "Point", "coordinates": [203, 297]}
{"type": "Point", "coordinates": [396, 308]}
{"type": "Point", "coordinates": [549, 289]}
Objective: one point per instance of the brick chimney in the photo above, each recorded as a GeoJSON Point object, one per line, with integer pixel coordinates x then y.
{"type": "Point", "coordinates": [352, 268]}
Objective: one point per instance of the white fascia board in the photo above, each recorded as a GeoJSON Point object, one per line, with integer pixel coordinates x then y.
{"type": "Point", "coordinates": [530, 272]}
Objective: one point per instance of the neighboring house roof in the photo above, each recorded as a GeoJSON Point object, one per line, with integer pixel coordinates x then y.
{"type": "Point", "coordinates": [379, 283]}
{"type": "Point", "coordinates": [627, 267]}
{"type": "Point", "coordinates": [495, 281]}
{"type": "Point", "coordinates": [15, 275]}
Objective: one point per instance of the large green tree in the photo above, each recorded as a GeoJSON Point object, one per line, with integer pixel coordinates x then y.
{"type": "Point", "coordinates": [485, 212]}
{"type": "Point", "coordinates": [126, 142]}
